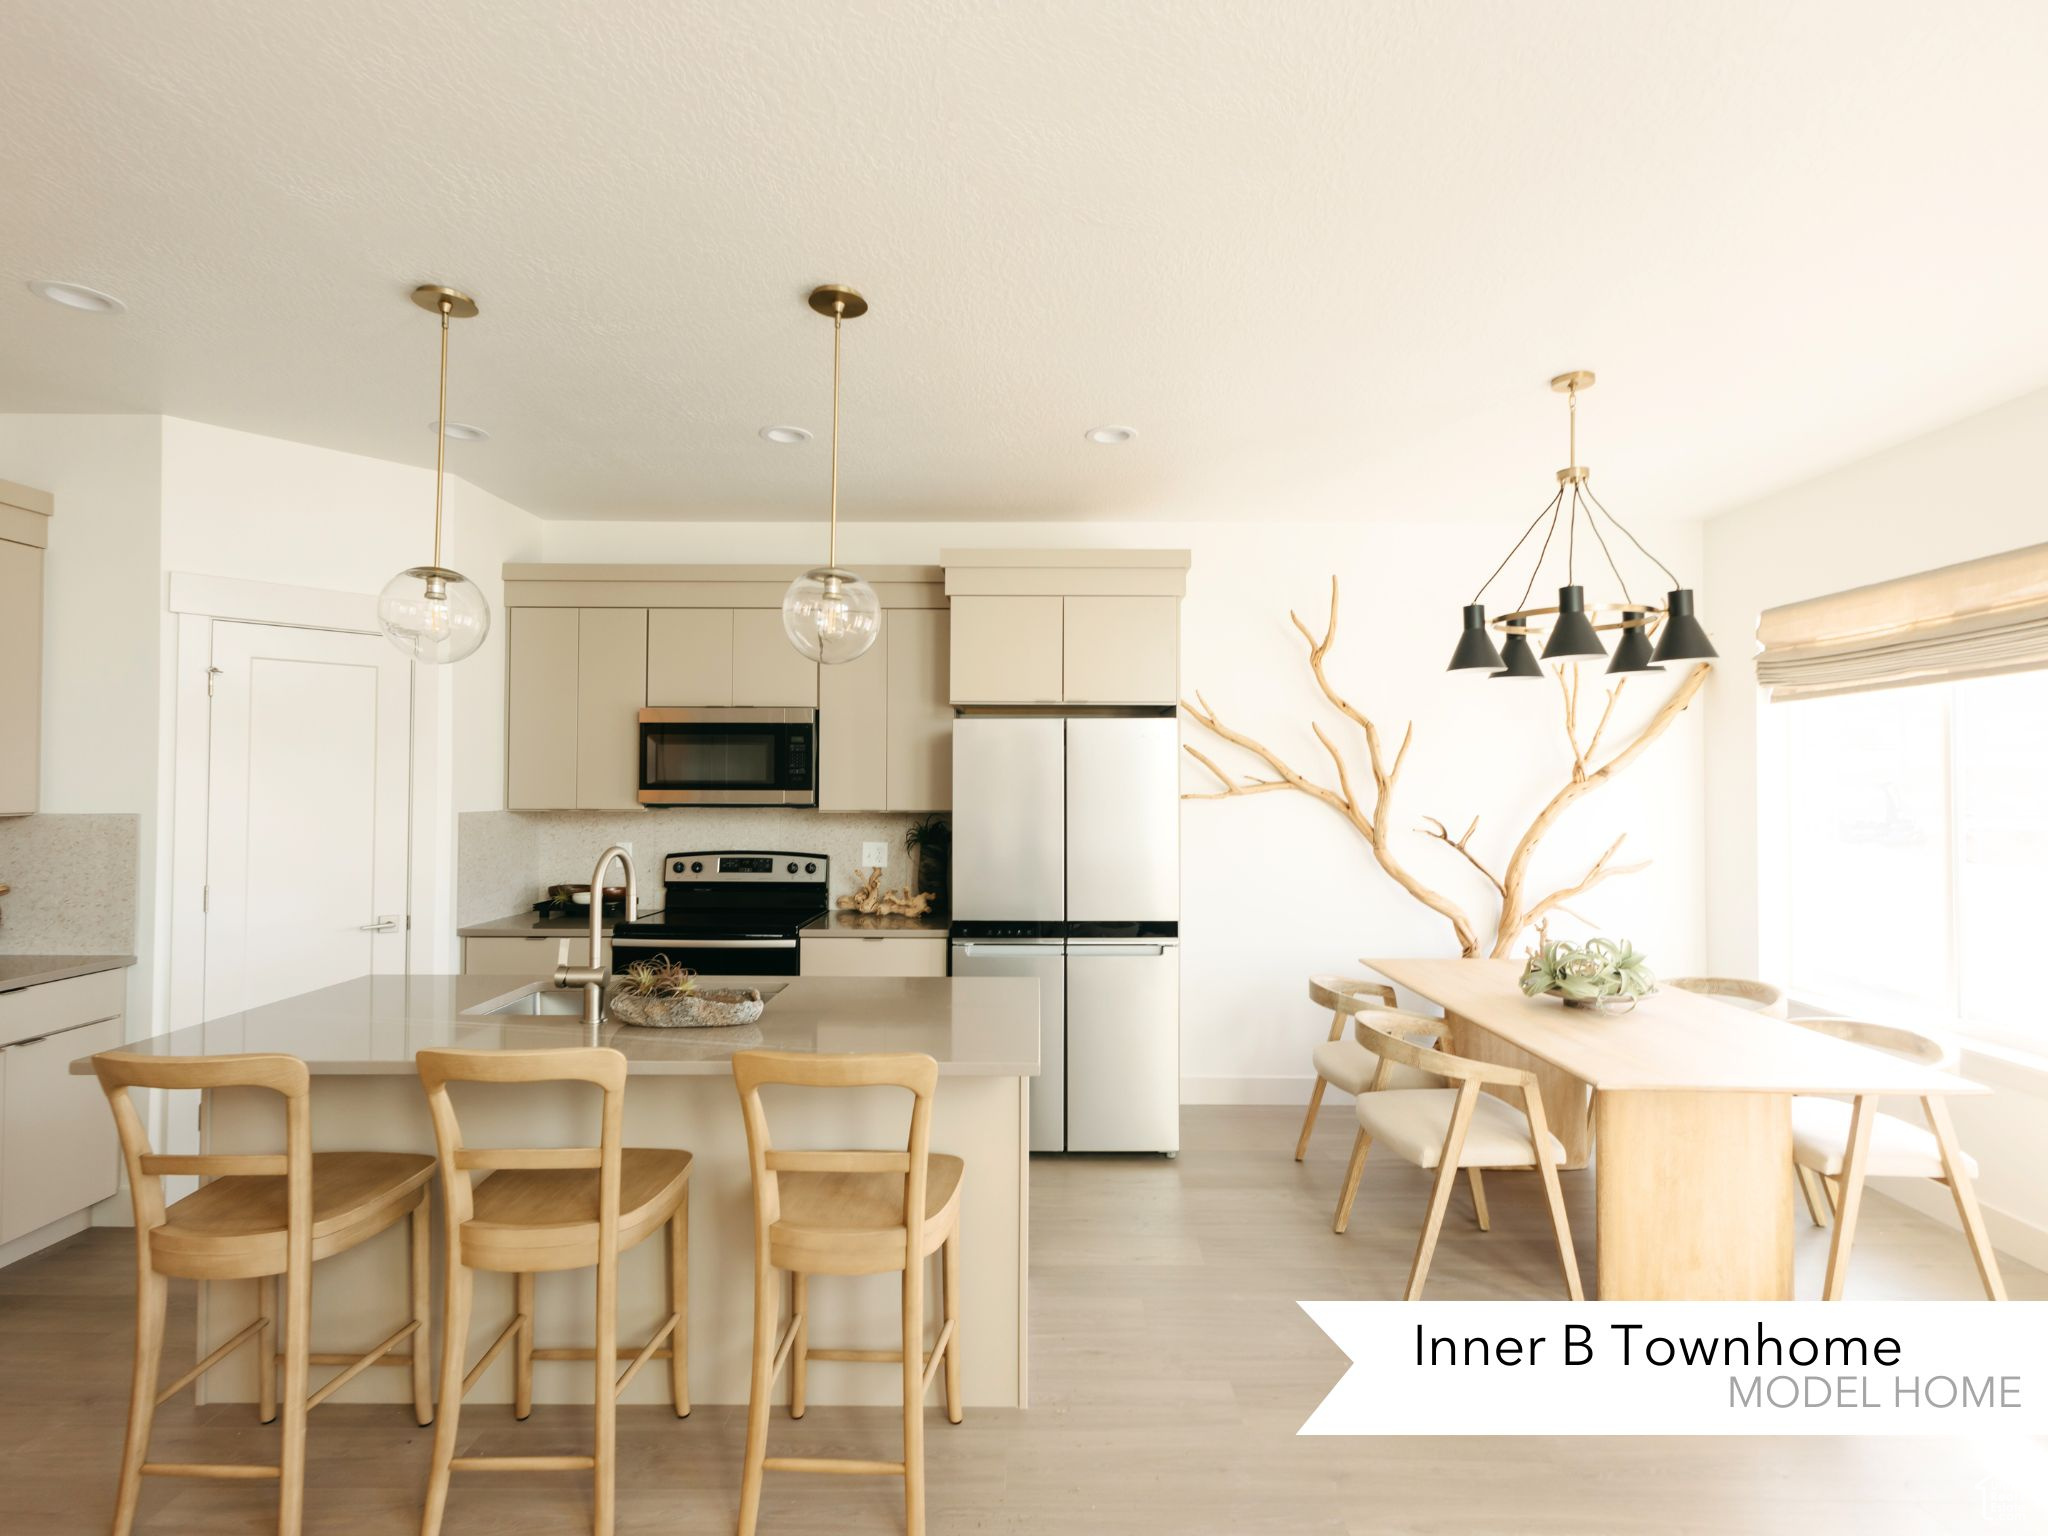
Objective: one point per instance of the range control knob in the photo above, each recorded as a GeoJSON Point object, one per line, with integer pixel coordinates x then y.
{"type": "Point", "coordinates": [697, 868]}
{"type": "Point", "coordinates": [810, 869]}
{"type": "Point", "coordinates": [792, 867]}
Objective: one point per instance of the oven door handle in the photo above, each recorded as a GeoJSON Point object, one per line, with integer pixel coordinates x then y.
{"type": "Point", "coordinates": [703, 943]}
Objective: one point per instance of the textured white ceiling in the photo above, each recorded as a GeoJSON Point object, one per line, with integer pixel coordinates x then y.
{"type": "Point", "coordinates": [1322, 254]}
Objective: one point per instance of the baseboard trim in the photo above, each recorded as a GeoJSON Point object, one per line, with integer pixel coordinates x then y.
{"type": "Point", "coordinates": [1247, 1090]}
{"type": "Point", "coordinates": [2009, 1234]}
{"type": "Point", "coordinates": [42, 1237]}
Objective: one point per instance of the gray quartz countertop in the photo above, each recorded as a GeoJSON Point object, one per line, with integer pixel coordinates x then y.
{"type": "Point", "coordinates": [838, 925]}
{"type": "Point", "coordinates": [531, 925]}
{"type": "Point", "coordinates": [973, 1026]}
{"type": "Point", "coordinates": [33, 970]}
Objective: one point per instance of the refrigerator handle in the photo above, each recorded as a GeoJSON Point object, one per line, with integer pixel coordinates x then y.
{"type": "Point", "coordinates": [1115, 951]}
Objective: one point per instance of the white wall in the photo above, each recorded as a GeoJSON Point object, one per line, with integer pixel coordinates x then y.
{"type": "Point", "coordinates": [1970, 489]}
{"type": "Point", "coordinates": [101, 594]}
{"type": "Point", "coordinates": [1276, 887]}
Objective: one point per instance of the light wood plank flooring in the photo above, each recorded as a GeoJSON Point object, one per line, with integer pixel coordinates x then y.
{"type": "Point", "coordinates": [1170, 1369]}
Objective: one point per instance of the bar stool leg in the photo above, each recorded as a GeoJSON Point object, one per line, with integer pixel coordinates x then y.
{"type": "Point", "coordinates": [913, 1396]}
{"type": "Point", "coordinates": [800, 1318]}
{"type": "Point", "coordinates": [679, 1303]}
{"type": "Point", "coordinates": [950, 1277]}
{"type": "Point", "coordinates": [419, 1254]}
{"type": "Point", "coordinates": [757, 1394]}
{"type": "Point", "coordinates": [605, 1393]}
{"type": "Point", "coordinates": [455, 1304]}
{"type": "Point", "coordinates": [298, 1344]}
{"type": "Point", "coordinates": [151, 1294]}
{"type": "Point", "coordinates": [522, 1346]}
{"type": "Point", "coordinates": [267, 1345]}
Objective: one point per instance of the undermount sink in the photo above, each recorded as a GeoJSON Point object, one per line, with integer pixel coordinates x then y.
{"type": "Point", "coordinates": [550, 1002]}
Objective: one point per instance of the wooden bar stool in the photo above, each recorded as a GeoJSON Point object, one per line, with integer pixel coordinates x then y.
{"type": "Point", "coordinates": [544, 1209]}
{"type": "Point", "coordinates": [261, 1215]}
{"type": "Point", "coordinates": [848, 1213]}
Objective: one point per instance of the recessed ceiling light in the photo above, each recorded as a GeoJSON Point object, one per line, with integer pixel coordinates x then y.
{"type": "Point", "coordinates": [1110, 435]}
{"type": "Point", "coordinates": [786, 434]}
{"type": "Point", "coordinates": [77, 296]}
{"type": "Point", "coordinates": [462, 431]}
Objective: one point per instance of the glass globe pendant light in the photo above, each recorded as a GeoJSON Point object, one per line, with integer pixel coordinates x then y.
{"type": "Point", "coordinates": [429, 612]}
{"type": "Point", "coordinates": [831, 615]}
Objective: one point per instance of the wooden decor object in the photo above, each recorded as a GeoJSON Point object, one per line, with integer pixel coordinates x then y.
{"type": "Point", "coordinates": [1371, 815]}
{"type": "Point", "coordinates": [871, 900]}
{"type": "Point", "coordinates": [259, 1217]}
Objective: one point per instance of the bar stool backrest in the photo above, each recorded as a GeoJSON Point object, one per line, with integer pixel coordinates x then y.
{"type": "Point", "coordinates": [1893, 1039]}
{"type": "Point", "coordinates": [286, 1076]}
{"type": "Point", "coordinates": [912, 1071]}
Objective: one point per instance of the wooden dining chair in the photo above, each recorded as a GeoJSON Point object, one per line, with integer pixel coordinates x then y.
{"type": "Point", "coordinates": [1755, 996]}
{"type": "Point", "coordinates": [543, 1209]}
{"type": "Point", "coordinates": [848, 1213]}
{"type": "Point", "coordinates": [1825, 1131]}
{"type": "Point", "coordinates": [259, 1216]}
{"type": "Point", "coordinates": [1451, 1128]}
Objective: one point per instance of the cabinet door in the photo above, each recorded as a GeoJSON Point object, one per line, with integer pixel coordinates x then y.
{"type": "Point", "coordinates": [1006, 650]}
{"type": "Point", "coordinates": [540, 709]}
{"type": "Point", "coordinates": [57, 1147]}
{"type": "Point", "coordinates": [853, 728]}
{"type": "Point", "coordinates": [689, 656]}
{"type": "Point", "coordinates": [920, 711]}
{"type": "Point", "coordinates": [611, 690]}
{"type": "Point", "coordinates": [21, 676]}
{"type": "Point", "coordinates": [508, 956]}
{"type": "Point", "coordinates": [1122, 650]}
{"type": "Point", "coordinates": [766, 668]}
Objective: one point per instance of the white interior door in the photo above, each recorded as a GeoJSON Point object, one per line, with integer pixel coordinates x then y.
{"type": "Point", "coordinates": [308, 788]}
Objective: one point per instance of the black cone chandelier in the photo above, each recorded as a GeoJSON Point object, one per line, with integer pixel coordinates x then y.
{"type": "Point", "coordinates": [1573, 628]}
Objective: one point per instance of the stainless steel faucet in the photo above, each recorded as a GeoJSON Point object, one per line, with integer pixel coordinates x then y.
{"type": "Point", "coordinates": [592, 977]}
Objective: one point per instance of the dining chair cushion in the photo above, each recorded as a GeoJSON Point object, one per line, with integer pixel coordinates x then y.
{"type": "Point", "coordinates": [1348, 1065]}
{"type": "Point", "coordinates": [1898, 1148]}
{"type": "Point", "coordinates": [1411, 1123]}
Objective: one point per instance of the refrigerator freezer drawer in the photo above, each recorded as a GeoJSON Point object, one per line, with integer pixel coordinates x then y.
{"type": "Point", "coordinates": [1123, 820]}
{"type": "Point", "coordinates": [1047, 962]}
{"type": "Point", "coordinates": [1009, 819]}
{"type": "Point", "coordinates": [1123, 1047]}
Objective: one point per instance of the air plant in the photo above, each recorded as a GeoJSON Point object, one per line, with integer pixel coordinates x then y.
{"type": "Point", "coordinates": [1597, 971]}
{"type": "Point", "coordinates": [659, 978]}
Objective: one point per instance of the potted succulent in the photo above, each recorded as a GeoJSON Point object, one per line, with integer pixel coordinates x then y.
{"type": "Point", "coordinates": [662, 995]}
{"type": "Point", "coordinates": [929, 843]}
{"type": "Point", "coordinates": [1601, 973]}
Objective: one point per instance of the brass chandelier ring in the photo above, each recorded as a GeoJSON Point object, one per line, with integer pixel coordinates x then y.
{"type": "Point", "coordinates": [1631, 616]}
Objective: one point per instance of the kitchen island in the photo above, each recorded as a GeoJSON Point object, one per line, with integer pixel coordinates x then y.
{"type": "Point", "coordinates": [358, 1040]}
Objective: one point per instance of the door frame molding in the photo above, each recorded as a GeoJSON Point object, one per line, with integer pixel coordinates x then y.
{"type": "Point", "coordinates": [197, 603]}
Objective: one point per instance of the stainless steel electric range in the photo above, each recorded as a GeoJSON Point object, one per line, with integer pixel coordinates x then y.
{"type": "Point", "coordinates": [730, 913]}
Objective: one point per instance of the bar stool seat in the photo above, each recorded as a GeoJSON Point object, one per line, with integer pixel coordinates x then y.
{"type": "Point", "coordinates": [234, 1227]}
{"type": "Point", "coordinates": [856, 1219]}
{"type": "Point", "coordinates": [532, 1220]}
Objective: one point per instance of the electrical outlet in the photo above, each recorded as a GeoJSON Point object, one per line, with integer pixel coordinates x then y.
{"type": "Point", "coordinates": [874, 855]}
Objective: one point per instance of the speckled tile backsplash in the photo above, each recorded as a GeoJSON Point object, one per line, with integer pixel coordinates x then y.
{"type": "Point", "coordinates": [73, 884]}
{"type": "Point", "coordinates": [507, 858]}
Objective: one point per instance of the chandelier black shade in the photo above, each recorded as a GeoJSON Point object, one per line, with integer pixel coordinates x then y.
{"type": "Point", "coordinates": [1475, 646]}
{"type": "Point", "coordinates": [1645, 634]}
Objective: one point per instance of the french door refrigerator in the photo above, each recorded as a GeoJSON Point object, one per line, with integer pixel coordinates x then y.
{"type": "Point", "coordinates": [1066, 866]}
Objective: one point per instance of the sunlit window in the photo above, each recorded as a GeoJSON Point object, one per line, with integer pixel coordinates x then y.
{"type": "Point", "coordinates": [1918, 861]}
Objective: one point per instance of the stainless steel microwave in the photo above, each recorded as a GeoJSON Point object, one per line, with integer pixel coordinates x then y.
{"type": "Point", "coordinates": [728, 757]}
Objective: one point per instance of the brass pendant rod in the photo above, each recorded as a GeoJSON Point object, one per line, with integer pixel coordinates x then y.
{"type": "Point", "coordinates": [838, 319]}
{"type": "Point", "coordinates": [441, 430]}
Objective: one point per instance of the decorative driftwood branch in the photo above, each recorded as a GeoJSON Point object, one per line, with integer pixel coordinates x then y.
{"type": "Point", "coordinates": [1373, 819]}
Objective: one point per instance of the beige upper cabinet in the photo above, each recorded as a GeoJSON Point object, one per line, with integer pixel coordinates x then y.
{"type": "Point", "coordinates": [611, 690]}
{"type": "Point", "coordinates": [541, 708]}
{"type": "Point", "coordinates": [1006, 650]}
{"type": "Point", "coordinates": [766, 668]}
{"type": "Point", "coordinates": [24, 530]}
{"type": "Point", "coordinates": [689, 657]}
{"type": "Point", "coordinates": [853, 728]}
{"type": "Point", "coordinates": [1122, 650]}
{"type": "Point", "coordinates": [920, 749]}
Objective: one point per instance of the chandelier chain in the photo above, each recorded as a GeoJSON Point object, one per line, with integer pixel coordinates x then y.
{"type": "Point", "coordinates": [1548, 507]}
{"type": "Point", "coordinates": [1556, 506]}
{"type": "Point", "coordinates": [1593, 523]}
{"type": "Point", "coordinates": [1631, 537]}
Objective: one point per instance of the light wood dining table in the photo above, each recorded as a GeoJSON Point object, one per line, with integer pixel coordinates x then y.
{"type": "Point", "coordinates": [1689, 1104]}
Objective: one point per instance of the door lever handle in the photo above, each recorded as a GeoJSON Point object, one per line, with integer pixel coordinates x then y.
{"type": "Point", "coordinates": [382, 925]}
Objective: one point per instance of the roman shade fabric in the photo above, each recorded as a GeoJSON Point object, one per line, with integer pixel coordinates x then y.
{"type": "Point", "coordinates": [1971, 620]}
